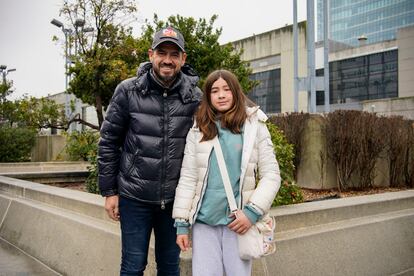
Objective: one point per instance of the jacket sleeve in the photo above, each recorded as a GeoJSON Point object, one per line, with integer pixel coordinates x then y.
{"type": "Point", "coordinates": [186, 188]}
{"type": "Point", "coordinates": [268, 170]}
{"type": "Point", "coordinates": [112, 138]}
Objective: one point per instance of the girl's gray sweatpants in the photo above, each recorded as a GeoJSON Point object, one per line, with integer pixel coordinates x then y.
{"type": "Point", "coordinates": [215, 252]}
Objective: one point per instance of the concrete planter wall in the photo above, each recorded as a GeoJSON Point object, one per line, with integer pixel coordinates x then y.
{"type": "Point", "coordinates": [69, 232]}
{"type": "Point", "coordinates": [49, 148]}
{"type": "Point", "coordinates": [316, 170]}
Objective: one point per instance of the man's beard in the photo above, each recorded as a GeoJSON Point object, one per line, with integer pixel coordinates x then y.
{"type": "Point", "coordinates": [165, 79]}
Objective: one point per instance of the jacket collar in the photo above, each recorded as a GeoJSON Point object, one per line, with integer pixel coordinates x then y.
{"type": "Point", "coordinates": [184, 85]}
{"type": "Point", "coordinates": [255, 110]}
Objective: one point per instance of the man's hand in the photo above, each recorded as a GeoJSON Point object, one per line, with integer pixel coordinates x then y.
{"type": "Point", "coordinates": [241, 224]}
{"type": "Point", "coordinates": [111, 207]}
{"type": "Point", "coordinates": [183, 242]}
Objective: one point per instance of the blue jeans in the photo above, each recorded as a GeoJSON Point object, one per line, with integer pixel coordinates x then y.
{"type": "Point", "coordinates": [137, 221]}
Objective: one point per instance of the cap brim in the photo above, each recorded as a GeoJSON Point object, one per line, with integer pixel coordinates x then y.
{"type": "Point", "coordinates": [168, 40]}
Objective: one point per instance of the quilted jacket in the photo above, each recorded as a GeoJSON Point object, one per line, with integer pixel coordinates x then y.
{"type": "Point", "coordinates": [143, 136]}
{"type": "Point", "coordinates": [258, 159]}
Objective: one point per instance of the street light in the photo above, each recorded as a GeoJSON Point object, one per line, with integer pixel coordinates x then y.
{"type": "Point", "coordinates": [79, 23]}
{"type": "Point", "coordinates": [57, 23]}
{"type": "Point", "coordinates": [69, 33]}
{"type": "Point", "coordinates": [4, 72]}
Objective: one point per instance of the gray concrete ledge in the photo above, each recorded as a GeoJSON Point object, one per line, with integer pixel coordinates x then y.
{"type": "Point", "coordinates": [69, 231]}
{"type": "Point", "coordinates": [43, 166]}
{"type": "Point", "coordinates": [65, 177]}
{"type": "Point", "coordinates": [327, 211]}
{"type": "Point", "coordinates": [47, 172]}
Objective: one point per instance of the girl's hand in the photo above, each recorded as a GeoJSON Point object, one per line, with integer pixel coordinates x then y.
{"type": "Point", "coordinates": [183, 242]}
{"type": "Point", "coordinates": [241, 224]}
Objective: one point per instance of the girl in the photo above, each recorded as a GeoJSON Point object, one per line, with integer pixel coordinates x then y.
{"type": "Point", "coordinates": [200, 200]}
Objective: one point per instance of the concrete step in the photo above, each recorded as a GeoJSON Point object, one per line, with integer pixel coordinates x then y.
{"type": "Point", "coordinates": [43, 166]}
{"type": "Point", "coordinates": [48, 177]}
{"type": "Point", "coordinates": [381, 244]}
{"type": "Point", "coordinates": [327, 211]}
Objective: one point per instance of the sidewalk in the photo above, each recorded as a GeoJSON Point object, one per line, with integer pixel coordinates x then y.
{"type": "Point", "coordinates": [15, 262]}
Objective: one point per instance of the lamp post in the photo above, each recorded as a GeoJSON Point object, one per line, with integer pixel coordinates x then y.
{"type": "Point", "coordinates": [68, 48]}
{"type": "Point", "coordinates": [69, 34]}
{"type": "Point", "coordinates": [4, 71]}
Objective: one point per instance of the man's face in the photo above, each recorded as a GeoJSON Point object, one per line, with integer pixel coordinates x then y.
{"type": "Point", "coordinates": [167, 60]}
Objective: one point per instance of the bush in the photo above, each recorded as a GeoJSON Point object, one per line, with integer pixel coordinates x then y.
{"type": "Point", "coordinates": [16, 144]}
{"type": "Point", "coordinates": [81, 145]}
{"type": "Point", "coordinates": [399, 136]}
{"type": "Point", "coordinates": [293, 126]}
{"type": "Point", "coordinates": [288, 193]}
{"type": "Point", "coordinates": [92, 180]}
{"type": "Point", "coordinates": [357, 140]}
{"type": "Point", "coordinates": [284, 152]}
{"type": "Point", "coordinates": [84, 146]}
{"type": "Point", "coordinates": [342, 131]}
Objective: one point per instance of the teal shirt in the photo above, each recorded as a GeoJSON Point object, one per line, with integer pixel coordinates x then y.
{"type": "Point", "coordinates": [214, 206]}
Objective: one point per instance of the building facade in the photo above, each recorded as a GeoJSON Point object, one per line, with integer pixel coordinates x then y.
{"type": "Point", "coordinates": [270, 56]}
{"type": "Point", "coordinates": [361, 78]}
{"type": "Point", "coordinates": [371, 20]}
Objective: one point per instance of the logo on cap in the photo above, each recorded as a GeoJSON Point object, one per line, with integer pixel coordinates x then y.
{"type": "Point", "coordinates": [169, 32]}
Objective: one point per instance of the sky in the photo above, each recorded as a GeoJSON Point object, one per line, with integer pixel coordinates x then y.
{"type": "Point", "coordinates": [26, 33]}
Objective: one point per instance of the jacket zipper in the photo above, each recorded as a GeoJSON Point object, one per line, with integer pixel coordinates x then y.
{"type": "Point", "coordinates": [163, 168]}
{"type": "Point", "coordinates": [203, 189]}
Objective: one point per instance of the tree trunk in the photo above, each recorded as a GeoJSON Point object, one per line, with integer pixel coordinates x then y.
{"type": "Point", "coordinates": [98, 106]}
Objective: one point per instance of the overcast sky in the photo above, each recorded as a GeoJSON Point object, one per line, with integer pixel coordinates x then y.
{"type": "Point", "coordinates": [26, 33]}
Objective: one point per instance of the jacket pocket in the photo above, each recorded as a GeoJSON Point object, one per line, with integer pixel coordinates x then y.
{"type": "Point", "coordinates": [132, 163]}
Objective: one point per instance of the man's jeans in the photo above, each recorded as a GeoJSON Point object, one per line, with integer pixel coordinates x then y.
{"type": "Point", "coordinates": [137, 221]}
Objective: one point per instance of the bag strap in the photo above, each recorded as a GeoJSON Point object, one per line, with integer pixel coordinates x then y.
{"type": "Point", "coordinates": [224, 175]}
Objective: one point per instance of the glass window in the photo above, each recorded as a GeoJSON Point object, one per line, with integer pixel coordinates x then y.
{"type": "Point", "coordinates": [355, 79]}
{"type": "Point", "coordinates": [267, 94]}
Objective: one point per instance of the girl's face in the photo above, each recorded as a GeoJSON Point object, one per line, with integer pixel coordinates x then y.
{"type": "Point", "coordinates": [221, 96]}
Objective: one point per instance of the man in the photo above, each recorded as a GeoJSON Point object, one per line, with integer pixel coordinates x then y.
{"type": "Point", "coordinates": [141, 151]}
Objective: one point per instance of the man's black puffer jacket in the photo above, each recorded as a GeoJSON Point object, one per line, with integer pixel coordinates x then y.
{"type": "Point", "coordinates": [143, 136]}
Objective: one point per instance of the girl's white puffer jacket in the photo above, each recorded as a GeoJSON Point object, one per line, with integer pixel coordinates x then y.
{"type": "Point", "coordinates": [258, 158]}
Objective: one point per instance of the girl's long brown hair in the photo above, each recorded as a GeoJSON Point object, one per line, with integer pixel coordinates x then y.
{"type": "Point", "coordinates": [233, 119]}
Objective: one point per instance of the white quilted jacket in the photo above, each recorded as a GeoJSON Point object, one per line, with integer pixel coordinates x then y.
{"type": "Point", "coordinates": [257, 158]}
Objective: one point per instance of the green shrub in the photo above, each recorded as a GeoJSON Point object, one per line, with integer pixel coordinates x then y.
{"type": "Point", "coordinates": [16, 144]}
{"type": "Point", "coordinates": [92, 180]}
{"type": "Point", "coordinates": [84, 146]}
{"type": "Point", "coordinates": [81, 145]}
{"type": "Point", "coordinates": [288, 193]}
{"type": "Point", "coordinates": [284, 152]}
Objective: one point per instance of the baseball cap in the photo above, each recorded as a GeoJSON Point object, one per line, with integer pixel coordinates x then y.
{"type": "Point", "coordinates": [168, 34]}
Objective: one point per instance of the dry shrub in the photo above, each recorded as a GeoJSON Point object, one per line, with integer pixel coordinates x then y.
{"type": "Point", "coordinates": [399, 136]}
{"type": "Point", "coordinates": [370, 143]}
{"type": "Point", "coordinates": [341, 133]}
{"type": "Point", "coordinates": [355, 141]}
{"type": "Point", "coordinates": [293, 126]}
